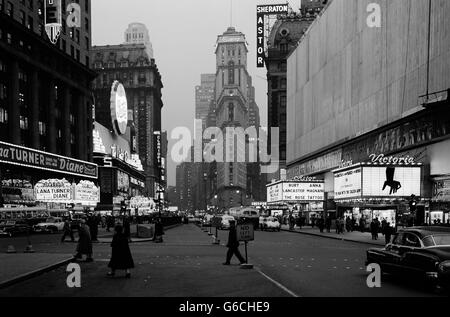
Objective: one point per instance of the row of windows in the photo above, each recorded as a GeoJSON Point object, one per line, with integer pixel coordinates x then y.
{"type": "Point", "coordinates": [122, 64]}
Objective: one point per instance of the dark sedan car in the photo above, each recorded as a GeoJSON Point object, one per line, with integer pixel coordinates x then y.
{"type": "Point", "coordinates": [11, 228]}
{"type": "Point", "coordinates": [421, 252]}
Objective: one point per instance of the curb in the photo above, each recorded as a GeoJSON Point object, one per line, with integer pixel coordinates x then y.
{"type": "Point", "coordinates": [35, 273]}
{"type": "Point", "coordinates": [334, 238]}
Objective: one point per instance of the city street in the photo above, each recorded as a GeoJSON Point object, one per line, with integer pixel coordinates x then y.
{"type": "Point", "coordinates": [187, 264]}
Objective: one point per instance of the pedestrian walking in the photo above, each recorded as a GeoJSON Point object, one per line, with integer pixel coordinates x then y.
{"type": "Point", "coordinates": [159, 231]}
{"type": "Point", "coordinates": [328, 224]}
{"type": "Point", "coordinates": [338, 226]}
{"type": "Point", "coordinates": [233, 245]}
{"type": "Point", "coordinates": [67, 229]}
{"type": "Point", "coordinates": [388, 230]}
{"type": "Point", "coordinates": [84, 246]}
{"type": "Point", "coordinates": [362, 224]}
{"type": "Point", "coordinates": [121, 258]}
{"type": "Point", "coordinates": [321, 224]}
{"type": "Point", "coordinates": [127, 228]}
{"type": "Point", "coordinates": [374, 228]}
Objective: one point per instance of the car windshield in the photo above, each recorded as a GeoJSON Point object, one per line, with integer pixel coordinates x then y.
{"type": "Point", "coordinates": [442, 239]}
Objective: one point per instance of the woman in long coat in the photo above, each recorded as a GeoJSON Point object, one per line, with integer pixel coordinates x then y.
{"type": "Point", "coordinates": [84, 242]}
{"type": "Point", "coordinates": [121, 258]}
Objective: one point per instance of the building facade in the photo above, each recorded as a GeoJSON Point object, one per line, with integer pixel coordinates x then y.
{"type": "Point", "coordinates": [45, 97]}
{"type": "Point", "coordinates": [283, 39]}
{"type": "Point", "coordinates": [131, 65]}
{"type": "Point", "coordinates": [369, 114]}
{"type": "Point", "coordinates": [184, 187]}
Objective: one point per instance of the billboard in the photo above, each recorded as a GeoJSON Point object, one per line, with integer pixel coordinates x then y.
{"type": "Point", "coordinates": [378, 182]}
{"type": "Point", "coordinates": [391, 181]}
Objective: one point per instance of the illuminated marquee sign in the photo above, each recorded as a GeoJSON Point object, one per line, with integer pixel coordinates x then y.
{"type": "Point", "coordinates": [22, 156]}
{"type": "Point", "coordinates": [347, 184]}
{"type": "Point", "coordinates": [86, 194]}
{"type": "Point", "coordinates": [295, 191]}
{"type": "Point", "coordinates": [54, 191]}
{"type": "Point", "coordinates": [119, 108]}
{"type": "Point", "coordinates": [53, 18]}
{"type": "Point", "coordinates": [378, 182]}
{"type": "Point", "coordinates": [262, 11]}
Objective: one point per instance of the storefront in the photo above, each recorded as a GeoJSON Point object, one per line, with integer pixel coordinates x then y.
{"type": "Point", "coordinates": [22, 171]}
{"type": "Point", "coordinates": [440, 202]}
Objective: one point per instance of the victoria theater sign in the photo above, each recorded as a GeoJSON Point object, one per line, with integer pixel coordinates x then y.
{"type": "Point", "coordinates": [21, 156]}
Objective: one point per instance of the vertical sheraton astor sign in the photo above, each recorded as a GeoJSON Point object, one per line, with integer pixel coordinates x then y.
{"type": "Point", "coordinates": [262, 11]}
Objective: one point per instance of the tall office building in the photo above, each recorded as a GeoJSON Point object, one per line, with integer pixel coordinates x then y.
{"type": "Point", "coordinates": [137, 33]}
{"type": "Point", "coordinates": [283, 39]}
{"type": "Point", "coordinates": [204, 94]}
{"type": "Point", "coordinates": [232, 100]}
{"type": "Point", "coordinates": [131, 65]}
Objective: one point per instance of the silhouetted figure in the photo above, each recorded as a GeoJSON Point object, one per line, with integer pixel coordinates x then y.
{"type": "Point", "coordinates": [121, 258]}
{"type": "Point", "coordinates": [233, 245]}
{"type": "Point", "coordinates": [394, 185]}
{"type": "Point", "coordinates": [67, 231]}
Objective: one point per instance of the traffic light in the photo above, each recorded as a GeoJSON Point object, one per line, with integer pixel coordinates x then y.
{"type": "Point", "coordinates": [412, 203]}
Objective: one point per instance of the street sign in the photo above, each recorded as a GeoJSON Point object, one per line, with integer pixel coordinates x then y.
{"type": "Point", "coordinates": [245, 232]}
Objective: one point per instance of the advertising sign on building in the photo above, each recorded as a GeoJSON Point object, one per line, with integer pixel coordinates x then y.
{"type": "Point", "coordinates": [86, 193]}
{"type": "Point", "coordinates": [22, 156]}
{"type": "Point", "coordinates": [377, 182]}
{"type": "Point", "coordinates": [263, 10]}
{"type": "Point", "coordinates": [295, 191]}
{"type": "Point", "coordinates": [54, 191]}
{"type": "Point", "coordinates": [347, 184]}
{"type": "Point", "coordinates": [391, 181]}
{"type": "Point", "coordinates": [119, 108]}
{"type": "Point", "coordinates": [441, 190]}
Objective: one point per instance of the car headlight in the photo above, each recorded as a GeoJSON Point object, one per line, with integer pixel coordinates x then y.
{"type": "Point", "coordinates": [444, 266]}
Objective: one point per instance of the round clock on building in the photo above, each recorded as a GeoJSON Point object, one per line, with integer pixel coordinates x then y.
{"type": "Point", "coordinates": [119, 108]}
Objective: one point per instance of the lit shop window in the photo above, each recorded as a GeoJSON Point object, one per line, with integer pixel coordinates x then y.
{"type": "Point", "coordinates": [3, 115]}
{"type": "Point", "coordinates": [42, 128]}
{"type": "Point", "coordinates": [23, 123]}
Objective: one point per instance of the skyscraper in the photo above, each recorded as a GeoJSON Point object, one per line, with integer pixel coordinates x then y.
{"type": "Point", "coordinates": [204, 94]}
{"type": "Point", "coordinates": [232, 99]}
{"type": "Point", "coordinates": [137, 33]}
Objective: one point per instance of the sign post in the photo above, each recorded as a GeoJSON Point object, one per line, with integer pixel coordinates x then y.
{"type": "Point", "coordinates": [245, 232]}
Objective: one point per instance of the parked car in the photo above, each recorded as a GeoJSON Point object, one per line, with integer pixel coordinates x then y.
{"type": "Point", "coordinates": [417, 252]}
{"type": "Point", "coordinates": [270, 223]}
{"type": "Point", "coordinates": [51, 225]}
{"type": "Point", "coordinates": [10, 228]}
{"type": "Point", "coordinates": [206, 221]}
{"type": "Point", "coordinates": [225, 223]}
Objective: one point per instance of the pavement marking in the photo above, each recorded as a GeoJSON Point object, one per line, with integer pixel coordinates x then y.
{"type": "Point", "coordinates": [348, 268]}
{"type": "Point", "coordinates": [284, 288]}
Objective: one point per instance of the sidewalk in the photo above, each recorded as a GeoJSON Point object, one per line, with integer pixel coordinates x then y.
{"type": "Point", "coordinates": [17, 267]}
{"type": "Point", "coordinates": [106, 237]}
{"type": "Point", "coordinates": [355, 236]}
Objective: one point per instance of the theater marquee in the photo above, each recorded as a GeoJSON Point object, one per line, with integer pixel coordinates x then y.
{"type": "Point", "coordinates": [22, 156]}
